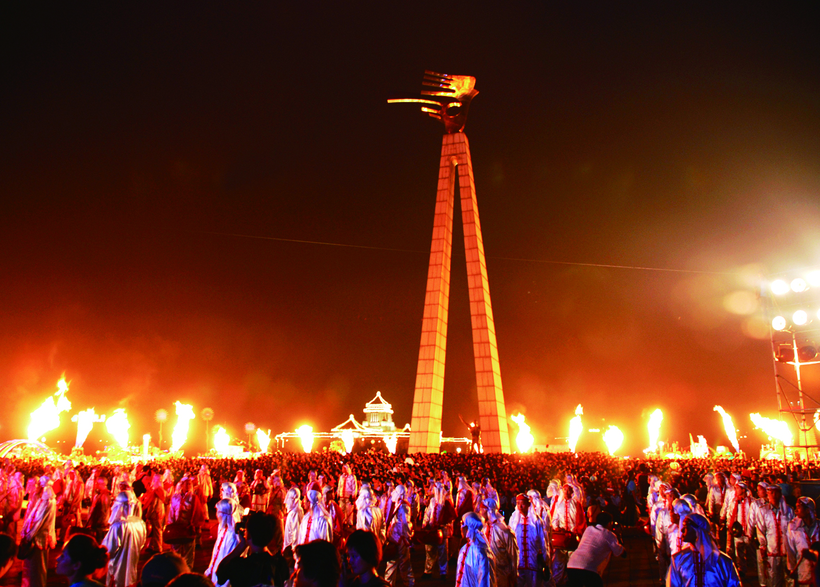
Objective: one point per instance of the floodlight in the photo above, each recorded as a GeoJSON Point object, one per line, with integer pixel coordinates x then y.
{"type": "Point", "coordinates": [800, 317]}
{"type": "Point", "coordinates": [807, 353]}
{"type": "Point", "coordinates": [798, 285]}
{"type": "Point", "coordinates": [813, 278]}
{"type": "Point", "coordinates": [779, 287]}
{"type": "Point", "coordinates": [779, 323]}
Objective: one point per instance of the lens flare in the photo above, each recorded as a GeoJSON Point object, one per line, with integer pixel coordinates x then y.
{"type": "Point", "coordinates": [576, 426]}
{"type": "Point", "coordinates": [729, 426]}
{"type": "Point", "coordinates": [306, 436]}
{"type": "Point", "coordinates": [613, 438]}
{"type": "Point", "coordinates": [117, 425]}
{"type": "Point", "coordinates": [185, 413]}
{"type": "Point", "coordinates": [777, 429]}
{"type": "Point", "coordinates": [47, 416]}
{"type": "Point", "coordinates": [780, 287]}
{"type": "Point", "coordinates": [524, 439]}
{"type": "Point", "coordinates": [798, 285]}
{"type": "Point", "coordinates": [800, 317]}
{"type": "Point", "coordinates": [779, 323]}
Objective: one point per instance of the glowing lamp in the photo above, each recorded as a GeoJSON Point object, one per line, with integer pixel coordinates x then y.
{"type": "Point", "coordinates": [799, 285]}
{"type": "Point", "coordinates": [779, 287]}
{"type": "Point", "coordinates": [779, 323]}
{"type": "Point", "coordinates": [813, 278]}
{"type": "Point", "coordinates": [800, 317]}
{"type": "Point", "coordinates": [807, 353]}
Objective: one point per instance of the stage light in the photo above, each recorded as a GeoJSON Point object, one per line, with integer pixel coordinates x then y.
{"type": "Point", "coordinates": [800, 317]}
{"type": "Point", "coordinates": [779, 323]}
{"type": "Point", "coordinates": [807, 353]}
{"type": "Point", "coordinates": [779, 287]}
{"type": "Point", "coordinates": [798, 285]}
{"type": "Point", "coordinates": [814, 278]}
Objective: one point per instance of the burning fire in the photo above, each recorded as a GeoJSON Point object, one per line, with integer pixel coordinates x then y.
{"type": "Point", "coordinates": [263, 439]}
{"type": "Point", "coordinates": [348, 439]}
{"type": "Point", "coordinates": [85, 422]}
{"type": "Point", "coordinates": [47, 416]}
{"type": "Point", "coordinates": [221, 441]}
{"type": "Point", "coordinates": [729, 426]}
{"type": "Point", "coordinates": [306, 435]}
{"type": "Point", "coordinates": [777, 429]}
{"type": "Point", "coordinates": [117, 425]}
{"type": "Point", "coordinates": [654, 427]}
{"type": "Point", "coordinates": [524, 439]}
{"type": "Point", "coordinates": [575, 427]}
{"type": "Point", "coordinates": [613, 438]}
{"type": "Point", "coordinates": [391, 442]}
{"type": "Point", "coordinates": [185, 413]}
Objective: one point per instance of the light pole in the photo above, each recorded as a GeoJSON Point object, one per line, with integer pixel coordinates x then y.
{"type": "Point", "coordinates": [160, 416]}
{"type": "Point", "coordinates": [207, 415]}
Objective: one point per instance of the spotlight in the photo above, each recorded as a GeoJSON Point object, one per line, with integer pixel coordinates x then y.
{"type": "Point", "coordinates": [814, 278]}
{"type": "Point", "coordinates": [798, 285]}
{"type": "Point", "coordinates": [800, 317]}
{"type": "Point", "coordinates": [807, 353]}
{"type": "Point", "coordinates": [784, 354]}
{"type": "Point", "coordinates": [779, 287]}
{"type": "Point", "coordinates": [779, 323]}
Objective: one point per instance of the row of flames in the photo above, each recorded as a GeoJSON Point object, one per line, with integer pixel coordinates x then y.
{"type": "Point", "coordinates": [47, 418]}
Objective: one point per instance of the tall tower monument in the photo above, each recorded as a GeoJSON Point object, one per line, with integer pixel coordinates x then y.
{"type": "Point", "coordinates": [448, 100]}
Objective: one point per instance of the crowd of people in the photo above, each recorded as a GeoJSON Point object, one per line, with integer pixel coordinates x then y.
{"type": "Point", "coordinates": [502, 520]}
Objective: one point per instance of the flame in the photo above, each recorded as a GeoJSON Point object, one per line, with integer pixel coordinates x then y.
{"type": "Point", "coordinates": [613, 438]}
{"type": "Point", "coordinates": [575, 427]}
{"type": "Point", "coordinates": [524, 438]}
{"type": "Point", "coordinates": [729, 426]}
{"type": "Point", "coordinates": [777, 429]}
{"type": "Point", "coordinates": [654, 427]}
{"type": "Point", "coordinates": [263, 439]}
{"type": "Point", "coordinates": [306, 435]}
{"type": "Point", "coordinates": [185, 413]}
{"type": "Point", "coordinates": [221, 441]}
{"type": "Point", "coordinates": [47, 416]}
{"type": "Point", "coordinates": [391, 442]}
{"type": "Point", "coordinates": [117, 425]}
{"type": "Point", "coordinates": [85, 422]}
{"type": "Point", "coordinates": [348, 439]}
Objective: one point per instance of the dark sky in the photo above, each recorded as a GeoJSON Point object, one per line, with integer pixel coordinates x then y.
{"type": "Point", "coordinates": [138, 141]}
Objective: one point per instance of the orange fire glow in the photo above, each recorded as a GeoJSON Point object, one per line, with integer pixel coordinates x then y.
{"type": "Point", "coordinates": [117, 425]}
{"type": "Point", "coordinates": [524, 439]}
{"type": "Point", "coordinates": [777, 429]}
{"type": "Point", "coordinates": [47, 416]}
{"type": "Point", "coordinates": [185, 413]}
{"type": "Point", "coordinates": [731, 433]}
{"type": "Point", "coordinates": [576, 426]}
{"type": "Point", "coordinates": [263, 439]}
{"type": "Point", "coordinates": [613, 438]}
{"type": "Point", "coordinates": [85, 422]}
{"type": "Point", "coordinates": [221, 441]}
{"type": "Point", "coordinates": [306, 436]}
{"type": "Point", "coordinates": [654, 428]}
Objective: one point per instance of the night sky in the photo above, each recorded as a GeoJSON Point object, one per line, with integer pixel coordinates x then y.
{"type": "Point", "coordinates": [213, 203]}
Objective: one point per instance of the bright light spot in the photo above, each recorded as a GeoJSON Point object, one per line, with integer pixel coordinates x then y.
{"type": "Point", "coordinates": [700, 449]}
{"type": "Point", "coordinates": [800, 317]}
{"type": "Point", "coordinates": [780, 287]}
{"type": "Point", "coordinates": [779, 323]}
{"type": "Point", "coordinates": [729, 426]}
{"type": "Point", "coordinates": [306, 436]}
{"type": "Point", "coordinates": [775, 428]}
{"type": "Point", "coordinates": [117, 425]}
{"type": "Point", "coordinates": [391, 442]}
{"type": "Point", "coordinates": [613, 438]}
{"type": "Point", "coordinates": [458, 449]}
{"type": "Point", "coordinates": [185, 413]}
{"type": "Point", "coordinates": [263, 439]}
{"type": "Point", "coordinates": [524, 439]}
{"type": "Point", "coordinates": [47, 416]}
{"type": "Point", "coordinates": [348, 439]}
{"type": "Point", "coordinates": [221, 441]}
{"type": "Point", "coordinates": [85, 422]}
{"type": "Point", "coordinates": [798, 285]}
{"type": "Point", "coordinates": [654, 428]}
{"type": "Point", "coordinates": [742, 303]}
{"type": "Point", "coordinates": [814, 278]}
{"type": "Point", "coordinates": [576, 426]}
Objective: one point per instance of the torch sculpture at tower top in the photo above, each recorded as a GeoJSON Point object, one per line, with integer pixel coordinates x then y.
{"type": "Point", "coordinates": [448, 101]}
